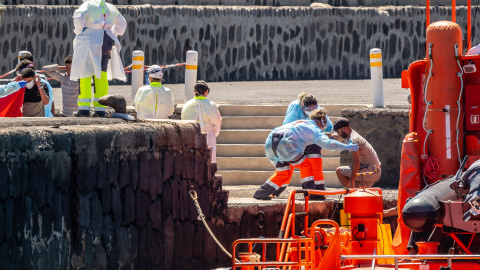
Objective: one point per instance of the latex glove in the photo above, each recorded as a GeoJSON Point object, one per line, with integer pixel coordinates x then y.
{"type": "Point", "coordinates": [352, 147]}
{"type": "Point", "coordinates": [22, 84]}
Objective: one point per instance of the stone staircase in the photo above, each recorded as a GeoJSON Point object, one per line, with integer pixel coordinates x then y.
{"type": "Point", "coordinates": [241, 156]}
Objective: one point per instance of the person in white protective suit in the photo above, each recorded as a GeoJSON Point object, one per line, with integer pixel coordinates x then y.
{"type": "Point", "coordinates": [206, 113]}
{"type": "Point", "coordinates": [96, 52]}
{"type": "Point", "coordinates": [154, 101]}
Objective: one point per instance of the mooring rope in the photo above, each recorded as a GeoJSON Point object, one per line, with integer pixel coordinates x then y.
{"type": "Point", "coordinates": [201, 217]}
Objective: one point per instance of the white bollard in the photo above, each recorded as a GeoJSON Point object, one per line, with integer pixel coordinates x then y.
{"type": "Point", "coordinates": [20, 53]}
{"type": "Point", "coordinates": [376, 74]}
{"type": "Point", "coordinates": [190, 74]}
{"type": "Point", "coordinates": [137, 72]}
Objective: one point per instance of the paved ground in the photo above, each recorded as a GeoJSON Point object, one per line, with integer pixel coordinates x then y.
{"type": "Point", "coordinates": [283, 92]}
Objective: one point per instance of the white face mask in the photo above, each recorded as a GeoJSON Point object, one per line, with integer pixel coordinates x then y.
{"type": "Point", "coordinates": [308, 113]}
{"type": "Point", "coordinates": [30, 84]}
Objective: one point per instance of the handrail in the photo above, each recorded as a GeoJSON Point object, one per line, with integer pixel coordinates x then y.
{"type": "Point", "coordinates": [412, 257]}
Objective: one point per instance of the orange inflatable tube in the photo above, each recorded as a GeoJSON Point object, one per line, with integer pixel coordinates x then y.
{"type": "Point", "coordinates": [443, 88]}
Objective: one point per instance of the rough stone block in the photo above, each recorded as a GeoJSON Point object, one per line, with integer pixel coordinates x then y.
{"type": "Point", "coordinates": [179, 164]}
{"type": "Point", "coordinates": [96, 216]}
{"type": "Point", "coordinates": [9, 205]}
{"type": "Point", "coordinates": [143, 246]}
{"type": "Point", "coordinates": [134, 237]}
{"type": "Point", "coordinates": [155, 214]}
{"type": "Point", "coordinates": [188, 230]}
{"type": "Point", "coordinates": [134, 173]}
{"type": "Point", "coordinates": [144, 175]}
{"type": "Point", "coordinates": [100, 261]}
{"type": "Point", "coordinates": [176, 203]}
{"type": "Point", "coordinates": [157, 249]}
{"type": "Point", "coordinates": [106, 198]}
{"type": "Point", "coordinates": [167, 198]}
{"type": "Point", "coordinates": [209, 247]}
{"type": "Point", "coordinates": [101, 175]}
{"type": "Point", "coordinates": [142, 203]}
{"type": "Point", "coordinates": [168, 163]}
{"type": "Point", "coordinates": [123, 243]}
{"type": "Point", "coordinates": [47, 222]}
{"type": "Point", "coordinates": [199, 169]}
{"type": "Point", "coordinates": [179, 240]}
{"type": "Point", "coordinates": [108, 233]}
{"type": "Point", "coordinates": [116, 206]}
{"type": "Point", "coordinates": [198, 240]}
{"type": "Point", "coordinates": [156, 178]}
{"type": "Point", "coordinates": [2, 223]}
{"type": "Point", "coordinates": [184, 200]}
{"type": "Point", "coordinates": [169, 241]}
{"type": "Point", "coordinates": [84, 211]}
{"type": "Point", "coordinates": [113, 170]}
{"type": "Point", "coordinates": [124, 174]}
{"type": "Point", "coordinates": [129, 206]}
{"type": "Point", "coordinates": [88, 250]}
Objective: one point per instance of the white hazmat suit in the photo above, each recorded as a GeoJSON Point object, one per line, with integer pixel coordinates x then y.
{"type": "Point", "coordinates": [91, 23]}
{"type": "Point", "coordinates": [154, 101]}
{"type": "Point", "coordinates": [206, 113]}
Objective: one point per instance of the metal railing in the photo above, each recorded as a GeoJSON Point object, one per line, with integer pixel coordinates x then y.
{"type": "Point", "coordinates": [449, 258]}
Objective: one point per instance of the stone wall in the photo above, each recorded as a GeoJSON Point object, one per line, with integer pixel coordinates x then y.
{"type": "Point", "coordinates": [273, 3]}
{"type": "Point", "coordinates": [108, 195]}
{"type": "Point", "coordinates": [238, 43]}
{"type": "Point", "coordinates": [384, 129]}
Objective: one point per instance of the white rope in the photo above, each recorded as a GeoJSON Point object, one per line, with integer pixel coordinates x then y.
{"type": "Point", "coordinates": [201, 217]}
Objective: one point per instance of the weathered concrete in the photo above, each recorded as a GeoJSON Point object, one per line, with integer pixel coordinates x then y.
{"type": "Point", "coordinates": [239, 43]}
{"type": "Point", "coordinates": [384, 129]}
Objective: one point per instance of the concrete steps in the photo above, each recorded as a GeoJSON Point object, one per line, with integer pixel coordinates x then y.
{"type": "Point", "coordinates": [241, 144]}
{"type": "Point", "coordinates": [254, 150]}
{"type": "Point", "coordinates": [264, 164]}
{"type": "Point", "coordinates": [255, 122]}
{"type": "Point", "coordinates": [237, 177]}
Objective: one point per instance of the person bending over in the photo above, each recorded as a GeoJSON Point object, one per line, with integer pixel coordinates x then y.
{"type": "Point", "coordinates": [154, 101]}
{"type": "Point", "coordinates": [70, 88]}
{"type": "Point", "coordinates": [364, 161]}
{"type": "Point", "coordinates": [206, 113]}
{"type": "Point", "coordinates": [285, 147]}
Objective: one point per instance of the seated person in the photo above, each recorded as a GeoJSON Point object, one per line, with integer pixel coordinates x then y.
{"type": "Point", "coordinates": [70, 88]}
{"type": "Point", "coordinates": [50, 107]}
{"type": "Point", "coordinates": [364, 161]}
{"type": "Point", "coordinates": [154, 101]}
{"type": "Point", "coordinates": [36, 94]}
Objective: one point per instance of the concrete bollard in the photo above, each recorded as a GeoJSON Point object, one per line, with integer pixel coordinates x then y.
{"type": "Point", "coordinates": [137, 72]}
{"type": "Point", "coordinates": [20, 53]}
{"type": "Point", "coordinates": [190, 74]}
{"type": "Point", "coordinates": [376, 74]}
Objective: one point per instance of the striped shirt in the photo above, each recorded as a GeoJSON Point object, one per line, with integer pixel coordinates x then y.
{"type": "Point", "coordinates": [70, 89]}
